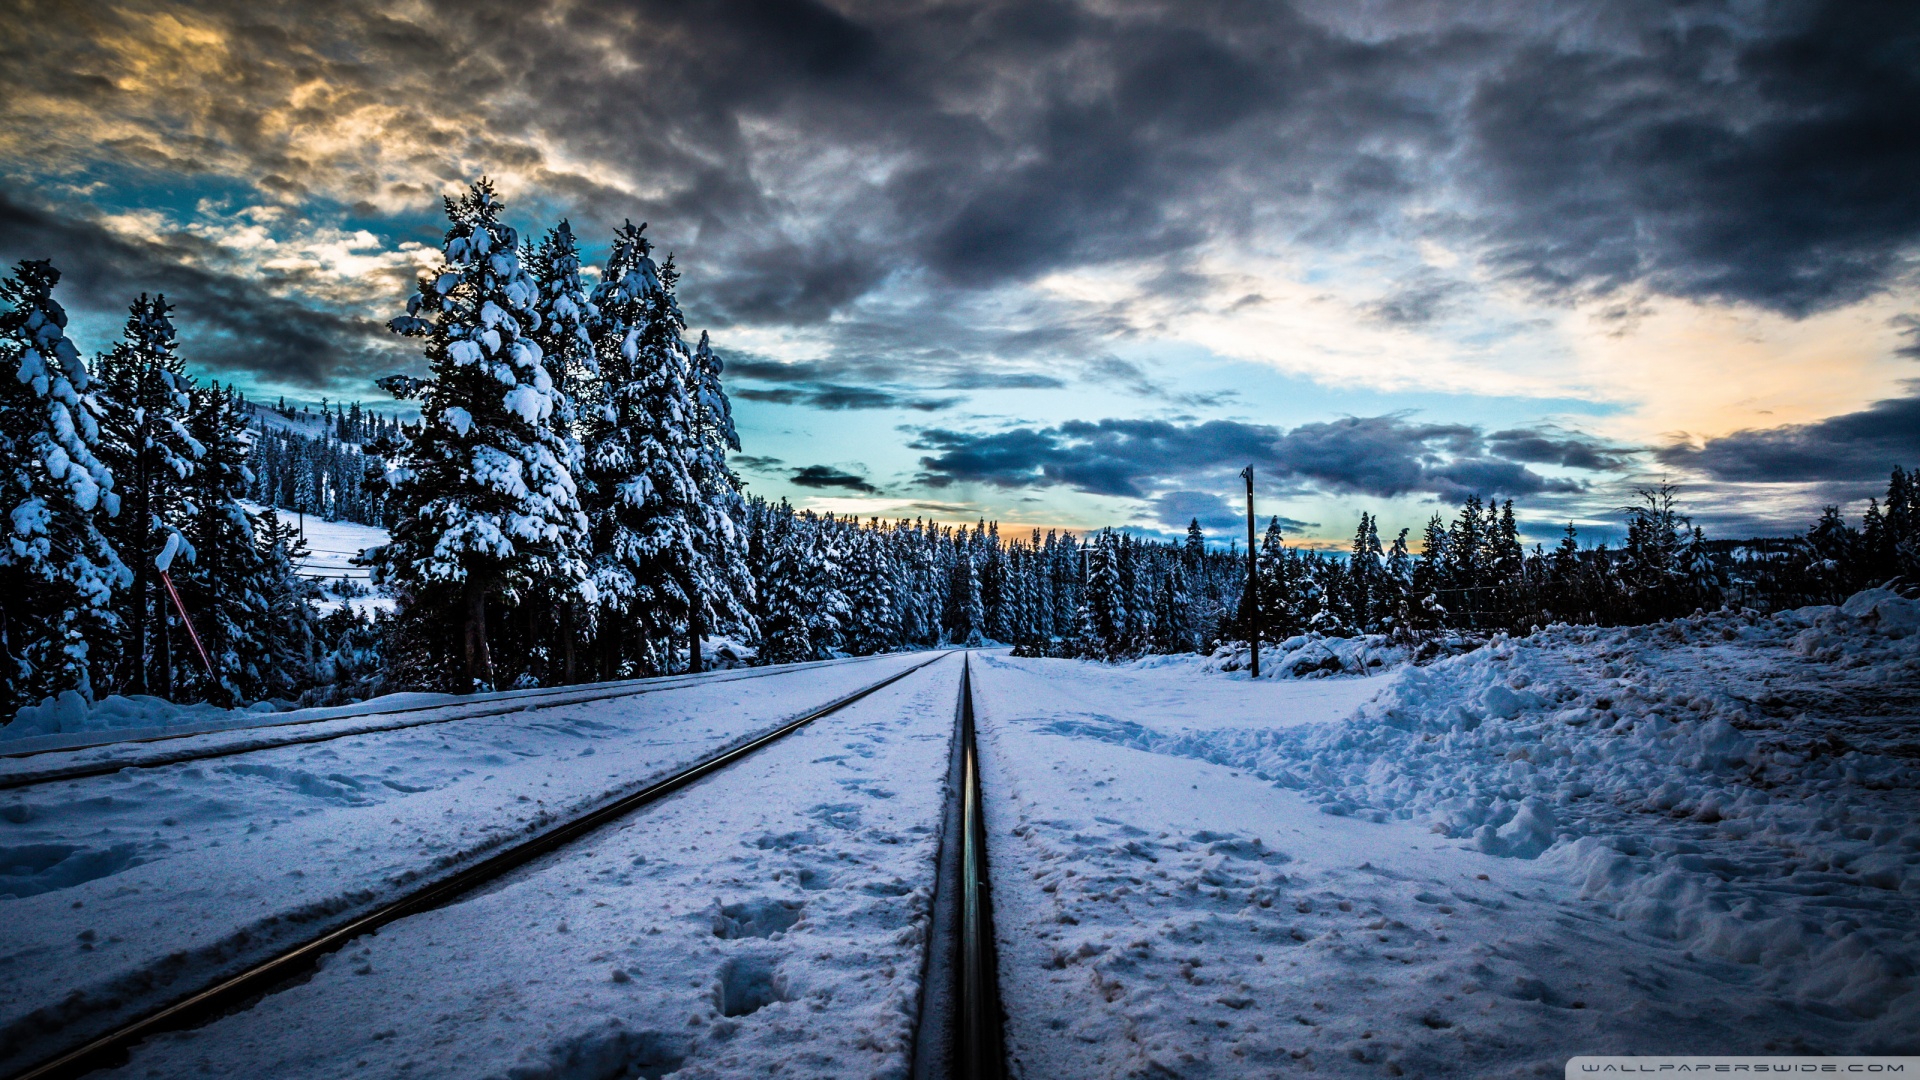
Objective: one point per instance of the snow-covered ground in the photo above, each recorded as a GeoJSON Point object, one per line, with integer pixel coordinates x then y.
{"type": "Point", "coordinates": [769, 920]}
{"type": "Point", "coordinates": [332, 547]}
{"type": "Point", "coordinates": [1695, 837]}
{"type": "Point", "coordinates": [117, 890]}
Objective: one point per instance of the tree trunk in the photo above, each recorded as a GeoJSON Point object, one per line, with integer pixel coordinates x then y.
{"type": "Point", "coordinates": [694, 630]}
{"type": "Point", "coordinates": [137, 642]}
{"type": "Point", "coordinates": [609, 645]}
{"type": "Point", "coordinates": [567, 658]}
{"type": "Point", "coordinates": [479, 660]}
{"type": "Point", "coordinates": [163, 656]}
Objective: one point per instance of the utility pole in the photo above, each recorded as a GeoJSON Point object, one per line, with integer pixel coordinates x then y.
{"type": "Point", "coordinates": [1253, 579]}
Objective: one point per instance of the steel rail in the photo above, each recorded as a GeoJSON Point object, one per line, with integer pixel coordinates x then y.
{"type": "Point", "coordinates": [538, 694]}
{"type": "Point", "coordinates": [576, 695]}
{"type": "Point", "coordinates": [960, 1036]}
{"type": "Point", "coordinates": [111, 1048]}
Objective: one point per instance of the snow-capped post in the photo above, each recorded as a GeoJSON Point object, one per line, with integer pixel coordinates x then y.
{"type": "Point", "coordinates": [1253, 580]}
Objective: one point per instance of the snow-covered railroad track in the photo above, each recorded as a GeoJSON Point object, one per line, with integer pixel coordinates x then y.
{"type": "Point", "coordinates": [959, 1034]}
{"type": "Point", "coordinates": [38, 764]}
{"type": "Point", "coordinates": [262, 977]}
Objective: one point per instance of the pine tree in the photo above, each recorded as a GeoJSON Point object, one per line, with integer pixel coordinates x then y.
{"type": "Point", "coordinates": [1103, 615]}
{"type": "Point", "coordinates": [286, 636]}
{"type": "Point", "coordinates": [566, 346]}
{"type": "Point", "coordinates": [723, 587]}
{"type": "Point", "coordinates": [484, 503]}
{"type": "Point", "coordinates": [870, 591]}
{"type": "Point", "coordinates": [1399, 584]}
{"type": "Point", "coordinates": [221, 587]}
{"type": "Point", "coordinates": [1279, 591]}
{"type": "Point", "coordinates": [645, 506]}
{"type": "Point", "coordinates": [144, 441]}
{"type": "Point", "coordinates": [58, 572]}
{"type": "Point", "coordinates": [786, 635]}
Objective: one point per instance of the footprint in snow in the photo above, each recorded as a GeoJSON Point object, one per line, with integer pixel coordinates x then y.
{"type": "Point", "coordinates": [761, 917]}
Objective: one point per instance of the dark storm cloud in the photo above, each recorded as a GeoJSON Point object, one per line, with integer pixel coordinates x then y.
{"type": "Point", "coordinates": [949, 509]}
{"type": "Point", "coordinates": [1547, 447]}
{"type": "Point", "coordinates": [799, 156]}
{"type": "Point", "coordinates": [837, 396]}
{"type": "Point", "coordinates": [755, 461]}
{"type": "Point", "coordinates": [1417, 301]}
{"type": "Point", "coordinates": [1910, 329]}
{"type": "Point", "coordinates": [1767, 161]}
{"type": "Point", "coordinates": [1857, 446]}
{"type": "Point", "coordinates": [1382, 456]}
{"type": "Point", "coordinates": [826, 476]}
{"type": "Point", "coordinates": [226, 323]}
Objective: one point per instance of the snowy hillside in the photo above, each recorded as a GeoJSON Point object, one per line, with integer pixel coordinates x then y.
{"type": "Point", "coordinates": [332, 547]}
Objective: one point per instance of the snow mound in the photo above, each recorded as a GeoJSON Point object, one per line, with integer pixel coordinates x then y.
{"type": "Point", "coordinates": [70, 713]}
{"type": "Point", "coordinates": [1314, 656]}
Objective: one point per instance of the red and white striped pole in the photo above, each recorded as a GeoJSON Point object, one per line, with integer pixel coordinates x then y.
{"type": "Point", "coordinates": [182, 609]}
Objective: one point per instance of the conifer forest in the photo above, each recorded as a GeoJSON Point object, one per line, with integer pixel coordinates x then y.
{"type": "Point", "coordinates": [562, 510]}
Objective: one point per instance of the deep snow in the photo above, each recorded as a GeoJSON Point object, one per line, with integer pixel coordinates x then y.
{"type": "Point", "coordinates": [129, 885]}
{"type": "Point", "coordinates": [769, 920]}
{"type": "Point", "coordinates": [1699, 836]}
{"type": "Point", "coordinates": [332, 550]}
{"type": "Point", "coordinates": [1701, 832]}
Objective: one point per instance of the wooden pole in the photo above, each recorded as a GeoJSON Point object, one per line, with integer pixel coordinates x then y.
{"type": "Point", "coordinates": [1253, 579]}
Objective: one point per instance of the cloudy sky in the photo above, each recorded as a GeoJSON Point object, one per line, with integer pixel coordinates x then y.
{"type": "Point", "coordinates": [1067, 263]}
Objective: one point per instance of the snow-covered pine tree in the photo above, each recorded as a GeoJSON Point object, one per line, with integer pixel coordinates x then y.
{"type": "Point", "coordinates": [146, 394]}
{"type": "Point", "coordinates": [565, 338]}
{"type": "Point", "coordinates": [1365, 591]}
{"type": "Point", "coordinates": [723, 589]}
{"type": "Point", "coordinates": [1398, 580]}
{"type": "Point", "coordinates": [1279, 593]}
{"type": "Point", "coordinates": [991, 570]}
{"type": "Point", "coordinates": [483, 501]}
{"type": "Point", "coordinates": [1172, 612]}
{"type": "Point", "coordinates": [567, 316]}
{"type": "Point", "coordinates": [286, 634]}
{"type": "Point", "coordinates": [1137, 576]}
{"type": "Point", "coordinates": [1103, 616]}
{"type": "Point", "coordinates": [829, 614]}
{"type": "Point", "coordinates": [784, 637]}
{"type": "Point", "coordinates": [222, 587]}
{"type": "Point", "coordinates": [1430, 580]}
{"type": "Point", "coordinates": [58, 572]}
{"type": "Point", "coordinates": [869, 589]}
{"type": "Point", "coordinates": [966, 610]}
{"type": "Point", "coordinates": [645, 507]}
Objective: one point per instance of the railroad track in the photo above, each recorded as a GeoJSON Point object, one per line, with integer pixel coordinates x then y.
{"type": "Point", "coordinates": [972, 1022]}
{"type": "Point", "coordinates": [253, 738]}
{"type": "Point", "coordinates": [959, 1033]}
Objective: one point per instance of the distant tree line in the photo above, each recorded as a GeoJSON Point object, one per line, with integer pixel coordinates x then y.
{"type": "Point", "coordinates": [319, 467]}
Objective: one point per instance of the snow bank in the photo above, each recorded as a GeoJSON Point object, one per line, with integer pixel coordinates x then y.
{"type": "Point", "coordinates": [70, 713]}
{"type": "Point", "coordinates": [1313, 656]}
{"type": "Point", "coordinates": [1743, 784]}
